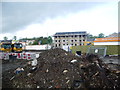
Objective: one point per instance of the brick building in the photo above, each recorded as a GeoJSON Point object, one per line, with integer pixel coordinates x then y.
{"type": "Point", "coordinates": [63, 39]}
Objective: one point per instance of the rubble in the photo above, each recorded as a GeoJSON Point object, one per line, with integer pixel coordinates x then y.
{"type": "Point", "coordinates": [57, 68]}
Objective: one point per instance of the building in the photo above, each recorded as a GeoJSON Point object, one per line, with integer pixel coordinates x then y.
{"type": "Point", "coordinates": [113, 39]}
{"type": "Point", "coordinates": [65, 39]}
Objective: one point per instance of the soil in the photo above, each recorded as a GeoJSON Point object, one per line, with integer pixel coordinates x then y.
{"type": "Point", "coordinates": [57, 68]}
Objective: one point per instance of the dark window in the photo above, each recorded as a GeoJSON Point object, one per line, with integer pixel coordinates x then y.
{"type": "Point", "coordinates": [55, 45]}
{"type": "Point", "coordinates": [59, 44]}
{"type": "Point", "coordinates": [75, 40]}
{"type": "Point", "coordinates": [71, 40]}
{"type": "Point", "coordinates": [80, 40]}
{"type": "Point", "coordinates": [83, 35]}
{"type": "Point", "coordinates": [55, 40]}
{"type": "Point", "coordinates": [63, 44]}
{"type": "Point", "coordinates": [63, 40]}
{"type": "Point", "coordinates": [75, 44]}
{"type": "Point", "coordinates": [59, 40]}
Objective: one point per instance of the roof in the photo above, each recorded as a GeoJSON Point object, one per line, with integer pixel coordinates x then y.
{"type": "Point", "coordinates": [108, 39]}
{"type": "Point", "coordinates": [71, 33]}
{"type": "Point", "coordinates": [6, 41]}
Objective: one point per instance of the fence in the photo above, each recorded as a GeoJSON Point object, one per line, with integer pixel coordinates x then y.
{"type": "Point", "coordinates": [26, 56]}
{"type": "Point", "coordinates": [111, 49]}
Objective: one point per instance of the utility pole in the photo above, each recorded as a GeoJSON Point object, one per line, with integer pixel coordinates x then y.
{"type": "Point", "coordinates": [47, 41]}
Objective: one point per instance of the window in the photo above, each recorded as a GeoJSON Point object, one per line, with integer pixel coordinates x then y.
{"type": "Point", "coordinates": [71, 40]}
{"type": "Point", "coordinates": [59, 40]}
{"type": "Point", "coordinates": [72, 44]}
{"type": "Point", "coordinates": [76, 40]}
{"type": "Point", "coordinates": [55, 40]}
{"type": "Point", "coordinates": [83, 35]}
{"type": "Point", "coordinates": [55, 45]}
{"type": "Point", "coordinates": [80, 40]}
{"type": "Point", "coordinates": [63, 40]}
{"type": "Point", "coordinates": [75, 44]}
{"type": "Point", "coordinates": [63, 44]}
{"type": "Point", "coordinates": [59, 44]}
{"type": "Point", "coordinates": [79, 35]}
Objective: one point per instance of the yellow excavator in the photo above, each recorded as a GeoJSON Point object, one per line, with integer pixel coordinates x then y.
{"type": "Point", "coordinates": [5, 46]}
{"type": "Point", "coordinates": [17, 47]}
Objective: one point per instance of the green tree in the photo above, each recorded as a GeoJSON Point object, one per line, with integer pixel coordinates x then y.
{"type": "Point", "coordinates": [15, 37]}
{"type": "Point", "coordinates": [35, 43]}
{"type": "Point", "coordinates": [90, 36]}
{"type": "Point", "coordinates": [44, 41]}
{"type": "Point", "coordinates": [101, 35]}
{"type": "Point", "coordinates": [5, 38]}
{"type": "Point", "coordinates": [50, 40]}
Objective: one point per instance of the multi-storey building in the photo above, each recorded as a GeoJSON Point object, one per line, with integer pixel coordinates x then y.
{"type": "Point", "coordinates": [62, 39]}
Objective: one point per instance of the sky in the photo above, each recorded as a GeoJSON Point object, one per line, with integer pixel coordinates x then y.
{"type": "Point", "coordinates": [36, 19]}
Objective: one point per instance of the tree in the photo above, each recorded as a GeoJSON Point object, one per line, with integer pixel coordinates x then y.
{"type": "Point", "coordinates": [101, 35]}
{"type": "Point", "coordinates": [50, 40]}
{"type": "Point", "coordinates": [15, 37]}
{"type": "Point", "coordinates": [35, 43]}
{"type": "Point", "coordinates": [90, 36]}
{"type": "Point", "coordinates": [5, 38]}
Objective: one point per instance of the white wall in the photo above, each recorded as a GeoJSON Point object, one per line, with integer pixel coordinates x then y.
{"type": "Point", "coordinates": [37, 47]}
{"type": "Point", "coordinates": [106, 43]}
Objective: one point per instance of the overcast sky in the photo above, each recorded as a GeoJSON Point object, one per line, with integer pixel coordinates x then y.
{"type": "Point", "coordinates": [35, 19]}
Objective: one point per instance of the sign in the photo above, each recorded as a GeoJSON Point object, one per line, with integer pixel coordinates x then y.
{"type": "Point", "coordinates": [25, 56]}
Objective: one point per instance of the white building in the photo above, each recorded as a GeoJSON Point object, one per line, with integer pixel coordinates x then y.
{"type": "Point", "coordinates": [107, 41]}
{"type": "Point", "coordinates": [64, 39]}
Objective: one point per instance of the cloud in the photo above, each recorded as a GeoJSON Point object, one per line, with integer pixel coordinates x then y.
{"type": "Point", "coordinates": [42, 19]}
{"type": "Point", "coordinates": [99, 20]}
{"type": "Point", "coordinates": [17, 15]}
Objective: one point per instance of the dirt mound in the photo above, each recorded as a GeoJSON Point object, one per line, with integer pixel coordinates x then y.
{"type": "Point", "coordinates": [57, 68]}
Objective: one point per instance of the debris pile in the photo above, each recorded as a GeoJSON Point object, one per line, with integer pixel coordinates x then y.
{"type": "Point", "coordinates": [57, 68]}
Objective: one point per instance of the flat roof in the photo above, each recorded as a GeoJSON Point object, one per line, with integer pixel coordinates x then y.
{"type": "Point", "coordinates": [71, 33]}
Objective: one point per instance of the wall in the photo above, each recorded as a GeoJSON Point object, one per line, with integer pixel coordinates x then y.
{"type": "Point", "coordinates": [37, 47]}
{"type": "Point", "coordinates": [111, 49]}
{"type": "Point", "coordinates": [106, 43]}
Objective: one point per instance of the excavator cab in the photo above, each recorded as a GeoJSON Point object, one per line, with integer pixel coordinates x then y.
{"type": "Point", "coordinates": [6, 47]}
{"type": "Point", "coordinates": [17, 47]}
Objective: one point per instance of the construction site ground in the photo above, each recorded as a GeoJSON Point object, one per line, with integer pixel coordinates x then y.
{"type": "Point", "coordinates": [57, 68]}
